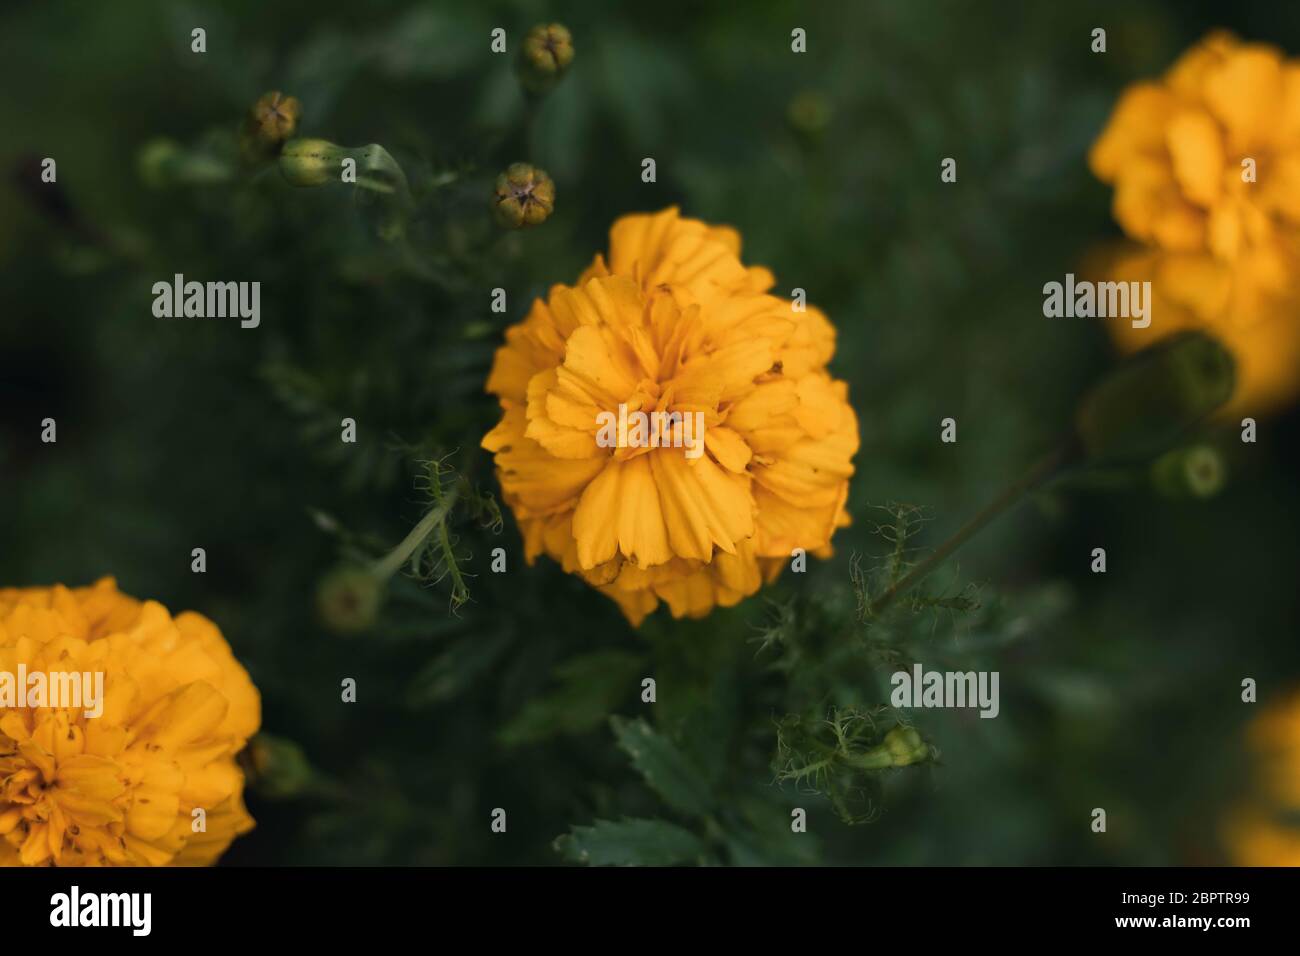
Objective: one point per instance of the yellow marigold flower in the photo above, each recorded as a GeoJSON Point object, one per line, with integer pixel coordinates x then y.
{"type": "Point", "coordinates": [672, 322]}
{"type": "Point", "coordinates": [1255, 833]}
{"type": "Point", "coordinates": [1205, 163]}
{"type": "Point", "coordinates": [120, 788]}
{"type": "Point", "coordinates": [1174, 149]}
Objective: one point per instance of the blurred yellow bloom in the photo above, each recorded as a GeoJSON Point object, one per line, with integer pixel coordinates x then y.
{"type": "Point", "coordinates": [672, 322]}
{"type": "Point", "coordinates": [120, 789]}
{"type": "Point", "coordinates": [1256, 834]}
{"type": "Point", "coordinates": [1174, 149]}
{"type": "Point", "coordinates": [1205, 164]}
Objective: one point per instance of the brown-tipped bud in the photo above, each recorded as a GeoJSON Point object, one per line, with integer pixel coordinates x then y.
{"type": "Point", "coordinates": [525, 196]}
{"type": "Point", "coordinates": [276, 767]}
{"type": "Point", "coordinates": [1197, 471]}
{"type": "Point", "coordinates": [1145, 405]}
{"type": "Point", "coordinates": [348, 600]}
{"type": "Point", "coordinates": [274, 118]}
{"type": "Point", "coordinates": [267, 126]}
{"type": "Point", "coordinates": [544, 57]}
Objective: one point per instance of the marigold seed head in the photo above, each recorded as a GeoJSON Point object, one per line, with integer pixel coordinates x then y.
{"type": "Point", "coordinates": [348, 600]}
{"type": "Point", "coordinates": [524, 196]}
{"type": "Point", "coordinates": [544, 56]}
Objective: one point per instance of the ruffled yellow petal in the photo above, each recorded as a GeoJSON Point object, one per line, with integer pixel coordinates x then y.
{"type": "Point", "coordinates": [1196, 149]}
{"type": "Point", "coordinates": [620, 513]}
{"type": "Point", "coordinates": [1245, 93]}
{"type": "Point", "coordinates": [671, 322]}
{"type": "Point", "coordinates": [703, 505]}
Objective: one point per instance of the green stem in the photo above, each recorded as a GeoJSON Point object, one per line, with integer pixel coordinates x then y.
{"type": "Point", "coordinates": [1042, 470]}
{"type": "Point", "coordinates": [387, 566]}
{"type": "Point", "coordinates": [877, 758]}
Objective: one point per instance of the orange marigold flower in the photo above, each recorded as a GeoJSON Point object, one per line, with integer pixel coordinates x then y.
{"type": "Point", "coordinates": [1205, 163]}
{"type": "Point", "coordinates": [121, 788]}
{"type": "Point", "coordinates": [672, 322]}
{"type": "Point", "coordinates": [1257, 833]}
{"type": "Point", "coordinates": [1174, 150]}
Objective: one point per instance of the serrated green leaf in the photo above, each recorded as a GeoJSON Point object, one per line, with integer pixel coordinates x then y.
{"type": "Point", "coordinates": [590, 687]}
{"type": "Point", "coordinates": [632, 842]}
{"type": "Point", "coordinates": [667, 770]}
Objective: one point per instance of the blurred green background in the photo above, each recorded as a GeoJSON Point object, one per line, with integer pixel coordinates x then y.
{"type": "Point", "coordinates": [1118, 691]}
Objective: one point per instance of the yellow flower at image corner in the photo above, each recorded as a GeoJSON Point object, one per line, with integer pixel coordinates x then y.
{"type": "Point", "coordinates": [672, 322]}
{"type": "Point", "coordinates": [1205, 164]}
{"type": "Point", "coordinates": [1254, 833]}
{"type": "Point", "coordinates": [1174, 148]}
{"type": "Point", "coordinates": [120, 788]}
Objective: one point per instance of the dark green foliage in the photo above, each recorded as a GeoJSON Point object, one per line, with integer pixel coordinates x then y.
{"type": "Point", "coordinates": [523, 690]}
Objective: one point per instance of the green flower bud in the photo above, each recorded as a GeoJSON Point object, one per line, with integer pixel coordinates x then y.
{"type": "Point", "coordinates": [1197, 471]}
{"type": "Point", "coordinates": [277, 767]}
{"type": "Point", "coordinates": [906, 747]}
{"type": "Point", "coordinates": [157, 161]}
{"type": "Point", "coordinates": [524, 196]}
{"type": "Point", "coordinates": [311, 162]}
{"type": "Point", "coordinates": [546, 53]}
{"type": "Point", "coordinates": [901, 747]}
{"type": "Point", "coordinates": [164, 162]}
{"type": "Point", "coordinates": [1146, 404]}
{"type": "Point", "coordinates": [809, 113]}
{"type": "Point", "coordinates": [348, 599]}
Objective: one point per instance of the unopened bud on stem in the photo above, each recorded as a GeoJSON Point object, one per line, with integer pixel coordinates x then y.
{"type": "Point", "coordinates": [271, 121]}
{"type": "Point", "coordinates": [277, 767]}
{"type": "Point", "coordinates": [1194, 472]}
{"type": "Point", "coordinates": [544, 57]}
{"type": "Point", "coordinates": [348, 599]}
{"type": "Point", "coordinates": [1145, 405]}
{"type": "Point", "coordinates": [901, 747]}
{"type": "Point", "coordinates": [525, 196]}
{"type": "Point", "coordinates": [311, 162]}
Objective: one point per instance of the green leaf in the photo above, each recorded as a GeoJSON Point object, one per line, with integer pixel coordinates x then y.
{"type": "Point", "coordinates": [633, 842]}
{"type": "Point", "coordinates": [456, 669]}
{"type": "Point", "coordinates": [427, 43]}
{"type": "Point", "coordinates": [590, 687]}
{"type": "Point", "coordinates": [668, 771]}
